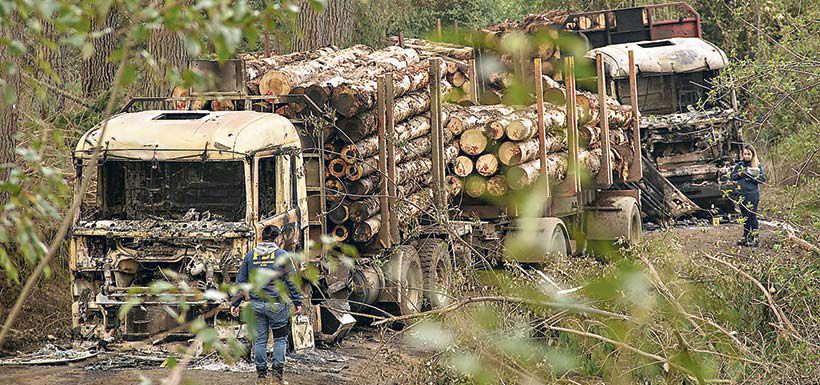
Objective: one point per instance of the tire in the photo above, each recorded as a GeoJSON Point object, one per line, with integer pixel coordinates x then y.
{"type": "Point", "coordinates": [437, 267]}
{"type": "Point", "coordinates": [410, 281]}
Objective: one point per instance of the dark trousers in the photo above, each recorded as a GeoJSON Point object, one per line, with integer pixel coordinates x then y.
{"type": "Point", "coordinates": [748, 211]}
{"type": "Point", "coordinates": [270, 318]}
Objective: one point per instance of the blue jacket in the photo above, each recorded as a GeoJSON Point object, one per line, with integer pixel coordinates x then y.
{"type": "Point", "coordinates": [749, 185]}
{"type": "Point", "coordinates": [268, 256]}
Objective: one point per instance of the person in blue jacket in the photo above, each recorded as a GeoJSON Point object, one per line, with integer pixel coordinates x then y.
{"type": "Point", "coordinates": [749, 174]}
{"type": "Point", "coordinates": [272, 311]}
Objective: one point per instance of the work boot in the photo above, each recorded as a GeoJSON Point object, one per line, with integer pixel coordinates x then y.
{"type": "Point", "coordinates": [261, 378]}
{"type": "Point", "coordinates": [743, 242]}
{"type": "Point", "coordinates": [754, 241]}
{"type": "Point", "coordinates": [277, 377]}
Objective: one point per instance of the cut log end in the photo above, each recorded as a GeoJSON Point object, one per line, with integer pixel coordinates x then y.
{"type": "Point", "coordinates": [337, 167]}
{"type": "Point", "coordinates": [454, 185]}
{"type": "Point", "coordinates": [339, 214]}
{"type": "Point", "coordinates": [345, 101]}
{"type": "Point", "coordinates": [497, 186]}
{"type": "Point", "coordinates": [463, 166]}
{"type": "Point", "coordinates": [475, 186]}
{"type": "Point", "coordinates": [341, 233]}
{"type": "Point", "coordinates": [473, 142]}
{"type": "Point", "coordinates": [354, 171]}
{"type": "Point", "coordinates": [487, 164]}
{"type": "Point", "coordinates": [274, 83]}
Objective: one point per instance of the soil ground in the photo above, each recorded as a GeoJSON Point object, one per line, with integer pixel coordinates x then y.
{"type": "Point", "coordinates": [361, 359]}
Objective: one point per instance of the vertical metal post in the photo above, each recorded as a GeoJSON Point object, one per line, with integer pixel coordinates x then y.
{"type": "Point", "coordinates": [384, 230]}
{"type": "Point", "coordinates": [401, 39]}
{"type": "Point", "coordinates": [391, 158]}
{"type": "Point", "coordinates": [438, 28]}
{"type": "Point", "coordinates": [572, 126]}
{"type": "Point", "coordinates": [471, 73]}
{"type": "Point", "coordinates": [437, 144]}
{"type": "Point", "coordinates": [636, 168]}
{"type": "Point", "coordinates": [604, 179]}
{"type": "Point", "coordinates": [322, 188]}
{"type": "Point", "coordinates": [542, 133]}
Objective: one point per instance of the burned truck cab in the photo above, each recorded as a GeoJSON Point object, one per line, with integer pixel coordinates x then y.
{"type": "Point", "coordinates": [690, 137]}
{"type": "Point", "coordinates": [180, 196]}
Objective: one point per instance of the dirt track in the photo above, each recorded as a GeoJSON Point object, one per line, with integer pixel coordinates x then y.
{"type": "Point", "coordinates": [361, 359]}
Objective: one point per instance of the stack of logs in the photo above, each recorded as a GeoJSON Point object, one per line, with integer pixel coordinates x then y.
{"type": "Point", "coordinates": [344, 82]}
{"type": "Point", "coordinates": [499, 146]}
{"type": "Point", "coordinates": [459, 62]}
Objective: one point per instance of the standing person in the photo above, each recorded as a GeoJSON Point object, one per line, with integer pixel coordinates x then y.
{"type": "Point", "coordinates": [272, 313]}
{"type": "Point", "coordinates": [748, 174]}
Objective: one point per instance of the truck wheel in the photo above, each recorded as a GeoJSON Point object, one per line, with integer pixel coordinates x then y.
{"type": "Point", "coordinates": [604, 229]}
{"type": "Point", "coordinates": [537, 238]}
{"type": "Point", "coordinates": [409, 279]}
{"type": "Point", "coordinates": [436, 265]}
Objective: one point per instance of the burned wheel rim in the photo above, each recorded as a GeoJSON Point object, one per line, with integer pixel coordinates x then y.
{"type": "Point", "coordinates": [436, 266]}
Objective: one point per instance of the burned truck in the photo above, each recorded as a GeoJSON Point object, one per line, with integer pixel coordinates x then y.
{"type": "Point", "coordinates": [690, 138]}
{"type": "Point", "coordinates": [187, 190]}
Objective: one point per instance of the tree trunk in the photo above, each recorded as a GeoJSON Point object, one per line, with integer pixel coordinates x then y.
{"type": "Point", "coordinates": [514, 153]}
{"type": "Point", "coordinates": [353, 96]}
{"type": "Point", "coordinates": [257, 67]}
{"type": "Point", "coordinates": [281, 80]}
{"type": "Point", "coordinates": [526, 174]}
{"type": "Point", "coordinates": [9, 108]}
{"type": "Point", "coordinates": [411, 150]}
{"type": "Point", "coordinates": [402, 132]}
{"type": "Point", "coordinates": [454, 185]}
{"type": "Point", "coordinates": [98, 71]}
{"type": "Point", "coordinates": [453, 51]}
{"type": "Point", "coordinates": [497, 186]}
{"type": "Point", "coordinates": [486, 164]}
{"type": "Point", "coordinates": [463, 166]}
{"type": "Point", "coordinates": [333, 26]}
{"type": "Point", "coordinates": [475, 186]}
{"type": "Point", "coordinates": [365, 124]}
{"type": "Point", "coordinates": [167, 48]}
{"type": "Point", "coordinates": [473, 142]}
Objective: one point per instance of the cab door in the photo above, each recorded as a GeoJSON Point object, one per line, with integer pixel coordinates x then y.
{"type": "Point", "coordinates": [275, 195]}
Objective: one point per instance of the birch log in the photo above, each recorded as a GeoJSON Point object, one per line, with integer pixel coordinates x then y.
{"type": "Point", "coordinates": [281, 80]}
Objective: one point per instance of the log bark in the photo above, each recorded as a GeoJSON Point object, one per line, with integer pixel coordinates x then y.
{"type": "Point", "coordinates": [526, 174]}
{"type": "Point", "coordinates": [515, 153]}
{"type": "Point", "coordinates": [525, 125]}
{"type": "Point", "coordinates": [334, 24]}
{"type": "Point", "coordinates": [497, 186]}
{"type": "Point", "coordinates": [364, 231]}
{"type": "Point", "coordinates": [463, 166]}
{"type": "Point", "coordinates": [98, 71]}
{"type": "Point", "coordinates": [335, 190]}
{"type": "Point", "coordinates": [352, 96]}
{"type": "Point", "coordinates": [467, 118]}
{"type": "Point", "coordinates": [365, 124]}
{"type": "Point", "coordinates": [486, 164]}
{"type": "Point", "coordinates": [370, 184]}
{"type": "Point", "coordinates": [321, 88]}
{"type": "Point", "coordinates": [453, 51]}
{"type": "Point", "coordinates": [475, 186]}
{"type": "Point", "coordinates": [339, 213]}
{"type": "Point", "coordinates": [414, 205]}
{"type": "Point", "coordinates": [418, 147]}
{"type": "Point", "coordinates": [403, 133]}
{"type": "Point", "coordinates": [367, 207]}
{"type": "Point", "coordinates": [454, 185]}
{"type": "Point", "coordinates": [337, 167]}
{"type": "Point", "coordinates": [256, 65]}
{"type": "Point", "coordinates": [280, 81]}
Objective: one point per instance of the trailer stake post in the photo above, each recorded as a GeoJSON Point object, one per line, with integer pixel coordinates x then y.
{"type": "Point", "coordinates": [384, 230]}
{"type": "Point", "coordinates": [437, 144]}
{"type": "Point", "coordinates": [542, 134]}
{"type": "Point", "coordinates": [604, 179]}
{"type": "Point", "coordinates": [636, 168]}
{"type": "Point", "coordinates": [391, 158]}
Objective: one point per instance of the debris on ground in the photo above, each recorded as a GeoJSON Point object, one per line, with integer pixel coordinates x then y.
{"type": "Point", "coordinates": [50, 354]}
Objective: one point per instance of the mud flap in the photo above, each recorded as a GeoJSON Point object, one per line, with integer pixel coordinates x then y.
{"type": "Point", "coordinates": [335, 321]}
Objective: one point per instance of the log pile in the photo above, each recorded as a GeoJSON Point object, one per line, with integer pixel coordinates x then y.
{"type": "Point", "coordinates": [499, 145]}
{"type": "Point", "coordinates": [458, 60]}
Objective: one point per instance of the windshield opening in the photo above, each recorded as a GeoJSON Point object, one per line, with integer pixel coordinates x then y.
{"type": "Point", "coordinates": [173, 190]}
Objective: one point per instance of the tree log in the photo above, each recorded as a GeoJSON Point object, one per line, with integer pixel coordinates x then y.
{"type": "Point", "coordinates": [365, 208]}
{"type": "Point", "coordinates": [462, 119]}
{"type": "Point", "coordinates": [486, 164]}
{"type": "Point", "coordinates": [365, 231]}
{"type": "Point", "coordinates": [370, 184]}
{"type": "Point", "coordinates": [365, 124]}
{"type": "Point", "coordinates": [497, 186]}
{"type": "Point", "coordinates": [454, 185]}
{"type": "Point", "coordinates": [463, 166]}
{"type": "Point", "coordinates": [526, 174]}
{"type": "Point", "coordinates": [403, 133]}
{"type": "Point", "coordinates": [525, 125]}
{"type": "Point", "coordinates": [458, 52]}
{"type": "Point", "coordinates": [341, 232]}
{"type": "Point", "coordinates": [335, 190]}
{"type": "Point", "coordinates": [281, 80]}
{"type": "Point", "coordinates": [473, 141]}
{"type": "Point", "coordinates": [514, 153]}
{"type": "Point", "coordinates": [339, 213]}
{"type": "Point", "coordinates": [475, 185]}
{"type": "Point", "coordinates": [417, 147]}
{"type": "Point", "coordinates": [337, 167]}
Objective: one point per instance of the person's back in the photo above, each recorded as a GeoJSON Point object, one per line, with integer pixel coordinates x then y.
{"type": "Point", "coordinates": [271, 310]}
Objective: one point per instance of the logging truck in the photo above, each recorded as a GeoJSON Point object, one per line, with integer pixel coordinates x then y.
{"type": "Point", "coordinates": [689, 139]}
{"type": "Point", "coordinates": [184, 188]}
